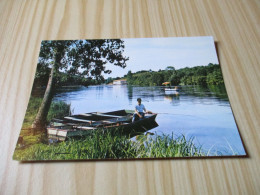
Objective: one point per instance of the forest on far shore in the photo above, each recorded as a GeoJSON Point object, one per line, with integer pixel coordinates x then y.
{"type": "Point", "coordinates": [199, 75]}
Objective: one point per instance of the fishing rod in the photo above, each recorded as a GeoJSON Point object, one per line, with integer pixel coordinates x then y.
{"type": "Point", "coordinates": [172, 114]}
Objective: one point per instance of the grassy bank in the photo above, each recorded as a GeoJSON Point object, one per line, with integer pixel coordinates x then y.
{"type": "Point", "coordinates": [99, 145]}
{"type": "Point", "coordinates": [103, 145]}
{"type": "Point", "coordinates": [57, 110]}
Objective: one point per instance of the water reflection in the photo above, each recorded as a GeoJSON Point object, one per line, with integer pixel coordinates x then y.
{"type": "Point", "coordinates": [130, 93]}
{"type": "Point", "coordinates": [173, 98]}
{"type": "Point", "coordinates": [195, 111]}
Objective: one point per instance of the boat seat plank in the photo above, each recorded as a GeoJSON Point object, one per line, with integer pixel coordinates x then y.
{"type": "Point", "coordinates": [85, 114]}
{"type": "Point", "coordinates": [75, 119]}
{"type": "Point", "coordinates": [112, 116]}
{"type": "Point", "coordinates": [85, 128]}
{"type": "Point", "coordinates": [110, 122]}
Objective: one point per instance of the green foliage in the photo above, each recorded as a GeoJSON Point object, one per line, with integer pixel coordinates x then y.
{"type": "Point", "coordinates": [31, 111]}
{"type": "Point", "coordinates": [175, 78]}
{"type": "Point", "coordinates": [215, 78]}
{"type": "Point", "coordinates": [146, 79]}
{"type": "Point", "coordinates": [104, 145]}
{"type": "Point", "coordinates": [64, 79]}
{"type": "Point", "coordinates": [78, 61]}
{"type": "Point", "coordinates": [57, 110]}
{"type": "Point", "coordinates": [84, 59]}
{"type": "Point", "coordinates": [170, 68]}
{"type": "Point", "coordinates": [109, 80]}
{"type": "Point", "coordinates": [199, 75]}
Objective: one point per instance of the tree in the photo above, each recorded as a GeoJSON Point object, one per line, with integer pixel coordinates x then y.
{"type": "Point", "coordinates": [129, 74]}
{"type": "Point", "coordinates": [78, 57]}
{"type": "Point", "coordinates": [169, 71]}
{"type": "Point", "coordinates": [175, 79]}
{"type": "Point", "coordinates": [109, 80]}
{"type": "Point", "coordinates": [170, 68]}
{"type": "Point", "coordinates": [129, 77]}
{"type": "Point", "coordinates": [157, 79]}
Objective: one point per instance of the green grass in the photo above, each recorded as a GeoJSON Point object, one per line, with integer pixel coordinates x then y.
{"type": "Point", "coordinates": [57, 110]}
{"type": "Point", "coordinates": [100, 144]}
{"type": "Point", "coordinates": [32, 109]}
{"type": "Point", "coordinates": [104, 145]}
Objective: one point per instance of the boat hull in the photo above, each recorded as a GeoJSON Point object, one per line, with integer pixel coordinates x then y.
{"type": "Point", "coordinates": [117, 122]}
{"type": "Point", "coordinates": [169, 89]}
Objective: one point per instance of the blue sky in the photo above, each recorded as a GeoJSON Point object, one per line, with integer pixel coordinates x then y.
{"type": "Point", "coordinates": [158, 53]}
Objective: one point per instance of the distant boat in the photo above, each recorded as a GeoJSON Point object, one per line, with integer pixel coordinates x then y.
{"type": "Point", "coordinates": [83, 124]}
{"type": "Point", "coordinates": [171, 89]}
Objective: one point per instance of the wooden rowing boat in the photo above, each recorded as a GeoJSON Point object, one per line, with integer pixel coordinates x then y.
{"type": "Point", "coordinates": [83, 124]}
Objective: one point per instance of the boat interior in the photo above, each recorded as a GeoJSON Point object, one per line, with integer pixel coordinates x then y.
{"type": "Point", "coordinates": [94, 120]}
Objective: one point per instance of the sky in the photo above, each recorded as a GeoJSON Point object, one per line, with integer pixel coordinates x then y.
{"type": "Point", "coordinates": [158, 53]}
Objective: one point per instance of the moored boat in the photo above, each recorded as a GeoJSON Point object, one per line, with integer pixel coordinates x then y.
{"type": "Point", "coordinates": [83, 124]}
{"type": "Point", "coordinates": [171, 89]}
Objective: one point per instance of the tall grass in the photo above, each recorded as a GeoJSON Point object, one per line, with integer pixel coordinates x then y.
{"type": "Point", "coordinates": [57, 110]}
{"type": "Point", "coordinates": [227, 149]}
{"type": "Point", "coordinates": [104, 145]}
{"type": "Point", "coordinates": [32, 109]}
{"type": "Point", "coordinates": [100, 144]}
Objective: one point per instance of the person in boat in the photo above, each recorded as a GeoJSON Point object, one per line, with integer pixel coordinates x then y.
{"type": "Point", "coordinates": [140, 111]}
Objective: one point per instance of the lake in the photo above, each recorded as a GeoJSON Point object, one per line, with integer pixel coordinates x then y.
{"type": "Point", "coordinates": [201, 113]}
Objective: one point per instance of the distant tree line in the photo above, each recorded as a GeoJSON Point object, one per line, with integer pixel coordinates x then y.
{"type": "Point", "coordinates": [199, 75]}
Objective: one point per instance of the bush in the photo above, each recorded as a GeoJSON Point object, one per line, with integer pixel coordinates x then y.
{"type": "Point", "coordinates": [58, 110]}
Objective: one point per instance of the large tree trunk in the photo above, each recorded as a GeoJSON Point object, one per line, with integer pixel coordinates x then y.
{"type": "Point", "coordinates": [41, 117]}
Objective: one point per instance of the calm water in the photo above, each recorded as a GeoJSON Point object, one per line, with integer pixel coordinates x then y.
{"type": "Point", "coordinates": [198, 112]}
